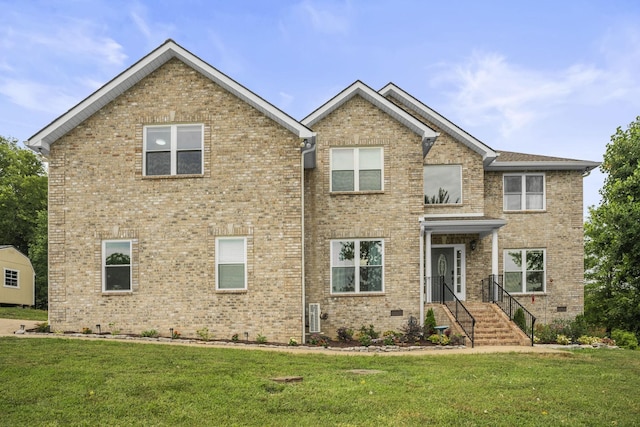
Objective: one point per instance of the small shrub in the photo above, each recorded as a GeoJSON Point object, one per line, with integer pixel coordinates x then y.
{"type": "Point", "coordinates": [412, 330]}
{"type": "Point", "coordinates": [176, 334]}
{"type": "Point", "coordinates": [430, 323]}
{"type": "Point", "coordinates": [588, 340]}
{"type": "Point", "coordinates": [607, 341]}
{"type": "Point", "coordinates": [114, 330]}
{"type": "Point", "coordinates": [457, 339]}
{"type": "Point", "coordinates": [625, 339]}
{"type": "Point", "coordinates": [364, 339]}
{"type": "Point", "coordinates": [261, 339]}
{"type": "Point", "coordinates": [317, 339]}
{"type": "Point", "coordinates": [545, 334]}
{"type": "Point", "coordinates": [563, 339]}
{"type": "Point", "coordinates": [444, 340]}
{"type": "Point", "coordinates": [389, 340]}
{"type": "Point", "coordinates": [235, 338]}
{"type": "Point", "coordinates": [434, 338]}
{"type": "Point", "coordinates": [86, 331]}
{"type": "Point", "coordinates": [204, 334]}
{"type": "Point", "coordinates": [345, 334]}
{"type": "Point", "coordinates": [151, 333]}
{"type": "Point", "coordinates": [293, 341]}
{"type": "Point", "coordinates": [42, 327]}
{"type": "Point", "coordinates": [369, 330]}
{"type": "Point", "coordinates": [519, 319]}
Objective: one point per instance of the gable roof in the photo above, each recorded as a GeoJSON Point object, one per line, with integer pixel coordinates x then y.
{"type": "Point", "coordinates": [487, 153]}
{"type": "Point", "coordinates": [358, 88]}
{"type": "Point", "coordinates": [509, 160]}
{"type": "Point", "coordinates": [42, 140]}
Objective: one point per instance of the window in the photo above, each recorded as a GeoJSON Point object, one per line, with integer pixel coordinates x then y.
{"type": "Point", "coordinates": [442, 184]}
{"type": "Point", "coordinates": [11, 278]}
{"type": "Point", "coordinates": [116, 266]}
{"type": "Point", "coordinates": [532, 198]}
{"type": "Point", "coordinates": [356, 266]}
{"type": "Point", "coordinates": [173, 150]}
{"type": "Point", "coordinates": [524, 270]}
{"type": "Point", "coordinates": [356, 169]}
{"type": "Point", "coordinates": [231, 263]}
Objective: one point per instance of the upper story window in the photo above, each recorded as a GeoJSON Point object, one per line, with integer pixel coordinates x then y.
{"type": "Point", "coordinates": [357, 266]}
{"type": "Point", "coordinates": [356, 169]}
{"type": "Point", "coordinates": [173, 150]}
{"type": "Point", "coordinates": [231, 263]}
{"type": "Point", "coordinates": [524, 192]}
{"type": "Point", "coordinates": [116, 265]}
{"type": "Point", "coordinates": [524, 270]}
{"type": "Point", "coordinates": [442, 184]}
{"type": "Point", "coordinates": [11, 278]}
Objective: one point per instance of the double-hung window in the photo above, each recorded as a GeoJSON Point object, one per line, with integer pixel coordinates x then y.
{"type": "Point", "coordinates": [524, 192]}
{"type": "Point", "coordinates": [116, 266]}
{"type": "Point", "coordinates": [357, 266]}
{"type": "Point", "coordinates": [173, 150]}
{"type": "Point", "coordinates": [442, 184]}
{"type": "Point", "coordinates": [356, 169]}
{"type": "Point", "coordinates": [11, 278]}
{"type": "Point", "coordinates": [231, 263]}
{"type": "Point", "coordinates": [524, 270]}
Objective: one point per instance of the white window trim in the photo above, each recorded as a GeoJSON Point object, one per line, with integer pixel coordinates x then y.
{"type": "Point", "coordinates": [523, 290]}
{"type": "Point", "coordinates": [173, 146]}
{"type": "Point", "coordinates": [356, 169]}
{"type": "Point", "coordinates": [461, 185]}
{"type": "Point", "coordinates": [244, 240]}
{"type": "Point", "coordinates": [356, 266]}
{"type": "Point", "coordinates": [17, 272]}
{"type": "Point", "coordinates": [523, 196]}
{"type": "Point", "coordinates": [104, 266]}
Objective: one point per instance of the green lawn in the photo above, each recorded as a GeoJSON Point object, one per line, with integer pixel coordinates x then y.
{"type": "Point", "coordinates": [58, 381]}
{"type": "Point", "coordinates": [23, 314]}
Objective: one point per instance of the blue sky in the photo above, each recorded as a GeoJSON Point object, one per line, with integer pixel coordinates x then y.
{"type": "Point", "coordinates": [542, 77]}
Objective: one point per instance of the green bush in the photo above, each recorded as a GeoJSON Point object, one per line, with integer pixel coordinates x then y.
{"type": "Point", "coordinates": [261, 339]}
{"type": "Point", "coordinates": [369, 330]}
{"type": "Point", "coordinates": [364, 339]}
{"type": "Point", "coordinates": [204, 334]}
{"type": "Point", "coordinates": [412, 330]}
{"type": "Point", "coordinates": [430, 323]}
{"type": "Point", "coordinates": [625, 339]}
{"type": "Point", "coordinates": [345, 334]}
{"type": "Point", "coordinates": [519, 319]}
{"type": "Point", "coordinates": [151, 333]}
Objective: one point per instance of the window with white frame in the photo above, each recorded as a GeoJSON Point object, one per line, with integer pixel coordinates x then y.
{"type": "Point", "coordinates": [524, 192]}
{"type": "Point", "coordinates": [442, 184]}
{"type": "Point", "coordinates": [11, 278]}
{"type": "Point", "coordinates": [356, 169]}
{"type": "Point", "coordinates": [524, 270]}
{"type": "Point", "coordinates": [173, 150]}
{"type": "Point", "coordinates": [231, 263]}
{"type": "Point", "coordinates": [116, 266]}
{"type": "Point", "coordinates": [357, 266]}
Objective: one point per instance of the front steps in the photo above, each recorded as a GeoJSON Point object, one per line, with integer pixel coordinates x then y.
{"type": "Point", "coordinates": [493, 326]}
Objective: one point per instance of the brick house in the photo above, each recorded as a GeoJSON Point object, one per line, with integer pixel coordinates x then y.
{"type": "Point", "coordinates": [180, 199]}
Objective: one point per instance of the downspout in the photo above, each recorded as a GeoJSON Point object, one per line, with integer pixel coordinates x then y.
{"type": "Point", "coordinates": [422, 284]}
{"type": "Point", "coordinates": [306, 147]}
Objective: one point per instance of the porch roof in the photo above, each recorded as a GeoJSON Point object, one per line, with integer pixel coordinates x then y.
{"type": "Point", "coordinates": [461, 225]}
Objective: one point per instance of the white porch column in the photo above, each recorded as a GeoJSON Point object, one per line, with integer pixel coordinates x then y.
{"type": "Point", "coordinates": [494, 252]}
{"type": "Point", "coordinates": [427, 288]}
{"type": "Point", "coordinates": [422, 282]}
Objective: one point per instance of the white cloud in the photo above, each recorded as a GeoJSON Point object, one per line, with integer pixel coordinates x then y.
{"type": "Point", "coordinates": [285, 100]}
{"type": "Point", "coordinates": [325, 20]}
{"type": "Point", "coordinates": [37, 97]}
{"type": "Point", "coordinates": [487, 89]}
{"type": "Point", "coordinates": [154, 32]}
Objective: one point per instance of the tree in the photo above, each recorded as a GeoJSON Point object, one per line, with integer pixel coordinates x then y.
{"type": "Point", "coordinates": [612, 237]}
{"type": "Point", "coordinates": [23, 193]}
{"type": "Point", "coordinates": [38, 253]}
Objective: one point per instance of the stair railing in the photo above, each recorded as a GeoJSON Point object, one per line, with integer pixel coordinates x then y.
{"type": "Point", "coordinates": [460, 313]}
{"type": "Point", "coordinates": [493, 291]}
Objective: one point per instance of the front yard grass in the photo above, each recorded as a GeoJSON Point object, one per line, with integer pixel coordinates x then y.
{"type": "Point", "coordinates": [58, 381]}
{"type": "Point", "coordinates": [23, 313]}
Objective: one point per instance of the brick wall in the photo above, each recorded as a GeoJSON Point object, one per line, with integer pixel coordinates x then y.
{"type": "Point", "coordinates": [250, 187]}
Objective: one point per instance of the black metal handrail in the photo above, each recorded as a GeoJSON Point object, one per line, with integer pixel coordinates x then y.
{"type": "Point", "coordinates": [492, 291]}
{"type": "Point", "coordinates": [463, 317]}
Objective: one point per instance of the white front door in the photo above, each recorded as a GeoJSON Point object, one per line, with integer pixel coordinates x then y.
{"type": "Point", "coordinates": [447, 262]}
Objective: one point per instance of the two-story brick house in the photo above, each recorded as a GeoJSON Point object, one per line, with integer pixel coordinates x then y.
{"type": "Point", "coordinates": [180, 199]}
